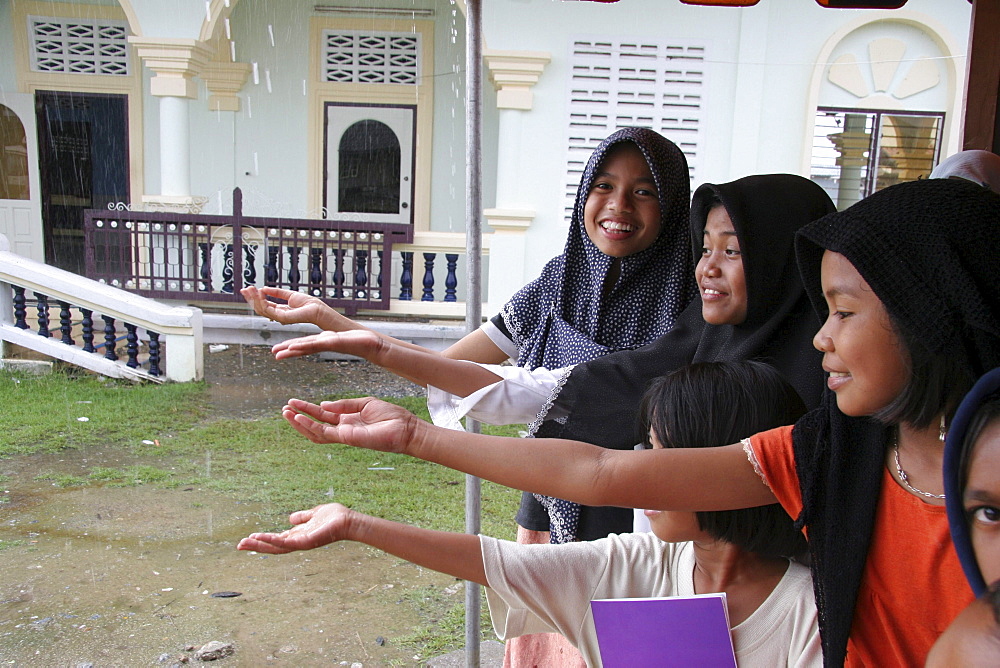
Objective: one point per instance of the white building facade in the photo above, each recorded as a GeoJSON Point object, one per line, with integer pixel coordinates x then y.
{"type": "Point", "coordinates": [354, 110]}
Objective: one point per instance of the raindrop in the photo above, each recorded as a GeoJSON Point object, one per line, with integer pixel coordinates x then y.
{"type": "Point", "coordinates": [256, 74]}
{"type": "Point", "coordinates": [270, 32]}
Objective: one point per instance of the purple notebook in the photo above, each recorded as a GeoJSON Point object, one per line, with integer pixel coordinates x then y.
{"type": "Point", "coordinates": [670, 631]}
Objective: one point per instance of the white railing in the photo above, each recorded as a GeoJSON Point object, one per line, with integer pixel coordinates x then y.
{"type": "Point", "coordinates": [162, 342]}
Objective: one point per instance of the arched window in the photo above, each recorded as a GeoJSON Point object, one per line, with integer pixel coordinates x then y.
{"type": "Point", "coordinates": [13, 156]}
{"type": "Point", "coordinates": [369, 169]}
{"type": "Point", "coordinates": [369, 162]}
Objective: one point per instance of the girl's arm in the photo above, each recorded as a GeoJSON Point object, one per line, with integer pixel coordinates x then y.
{"type": "Point", "coordinates": [420, 366]}
{"type": "Point", "coordinates": [298, 307]}
{"type": "Point", "coordinates": [666, 479]}
{"type": "Point", "coordinates": [456, 554]}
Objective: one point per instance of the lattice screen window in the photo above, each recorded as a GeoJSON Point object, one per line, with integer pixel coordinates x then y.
{"type": "Point", "coordinates": [654, 84]}
{"type": "Point", "coordinates": [371, 57]}
{"type": "Point", "coordinates": [78, 46]}
{"type": "Point", "coordinates": [860, 151]}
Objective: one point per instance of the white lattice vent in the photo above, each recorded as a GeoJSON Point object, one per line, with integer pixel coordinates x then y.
{"type": "Point", "coordinates": [371, 58]}
{"type": "Point", "coordinates": [617, 83]}
{"type": "Point", "coordinates": [78, 46]}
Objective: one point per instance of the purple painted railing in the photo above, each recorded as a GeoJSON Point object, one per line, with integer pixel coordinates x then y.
{"type": "Point", "coordinates": [193, 257]}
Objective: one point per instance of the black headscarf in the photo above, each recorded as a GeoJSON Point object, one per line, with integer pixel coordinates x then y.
{"type": "Point", "coordinates": [928, 250]}
{"type": "Point", "coordinates": [565, 317]}
{"type": "Point", "coordinates": [603, 396]}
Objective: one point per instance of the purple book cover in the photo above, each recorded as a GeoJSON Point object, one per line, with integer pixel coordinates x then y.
{"type": "Point", "coordinates": [672, 631]}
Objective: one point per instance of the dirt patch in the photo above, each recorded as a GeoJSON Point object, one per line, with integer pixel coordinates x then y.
{"type": "Point", "coordinates": [124, 576]}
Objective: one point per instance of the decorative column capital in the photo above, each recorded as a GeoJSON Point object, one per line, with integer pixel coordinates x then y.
{"type": "Point", "coordinates": [513, 73]}
{"type": "Point", "coordinates": [516, 221]}
{"type": "Point", "coordinates": [224, 81]}
{"type": "Point", "coordinates": [175, 63]}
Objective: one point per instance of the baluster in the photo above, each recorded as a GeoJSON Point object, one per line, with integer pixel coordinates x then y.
{"type": "Point", "coordinates": [338, 272]}
{"type": "Point", "coordinates": [154, 354]}
{"type": "Point", "coordinates": [249, 266]}
{"type": "Point", "coordinates": [451, 281]}
{"type": "Point", "coordinates": [406, 277]}
{"type": "Point", "coordinates": [20, 308]}
{"type": "Point", "coordinates": [293, 268]}
{"type": "Point", "coordinates": [109, 338]}
{"type": "Point", "coordinates": [378, 279]}
{"type": "Point", "coordinates": [88, 330]}
{"type": "Point", "coordinates": [227, 269]}
{"type": "Point", "coordinates": [66, 324]}
{"type": "Point", "coordinates": [271, 268]}
{"type": "Point", "coordinates": [43, 314]}
{"type": "Point", "coordinates": [206, 267]}
{"type": "Point", "coordinates": [132, 346]}
{"type": "Point", "coordinates": [428, 295]}
{"type": "Point", "coordinates": [316, 271]}
{"type": "Point", "coordinates": [360, 273]}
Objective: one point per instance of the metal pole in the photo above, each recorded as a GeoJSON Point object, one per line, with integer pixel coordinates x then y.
{"type": "Point", "coordinates": [473, 300]}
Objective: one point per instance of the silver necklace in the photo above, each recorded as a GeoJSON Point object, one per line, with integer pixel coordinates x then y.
{"type": "Point", "coordinates": [903, 477]}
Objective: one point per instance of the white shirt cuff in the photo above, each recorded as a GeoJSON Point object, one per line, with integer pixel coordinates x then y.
{"type": "Point", "coordinates": [516, 399]}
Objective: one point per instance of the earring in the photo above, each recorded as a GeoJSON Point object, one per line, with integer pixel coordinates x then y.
{"type": "Point", "coordinates": [943, 431]}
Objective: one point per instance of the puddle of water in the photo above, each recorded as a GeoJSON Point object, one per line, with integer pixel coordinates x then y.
{"type": "Point", "coordinates": [123, 576]}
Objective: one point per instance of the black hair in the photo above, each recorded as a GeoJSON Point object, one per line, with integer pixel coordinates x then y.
{"type": "Point", "coordinates": [936, 384]}
{"type": "Point", "coordinates": [709, 404]}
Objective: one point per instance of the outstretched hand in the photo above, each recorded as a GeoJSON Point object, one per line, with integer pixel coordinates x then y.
{"type": "Point", "coordinates": [359, 342]}
{"type": "Point", "coordinates": [364, 423]}
{"type": "Point", "coordinates": [313, 528]}
{"type": "Point", "coordinates": [298, 308]}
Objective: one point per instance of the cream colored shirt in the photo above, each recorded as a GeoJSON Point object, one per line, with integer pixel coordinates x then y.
{"type": "Point", "coordinates": [546, 588]}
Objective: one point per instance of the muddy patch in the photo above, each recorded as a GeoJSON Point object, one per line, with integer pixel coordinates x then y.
{"type": "Point", "coordinates": [126, 576]}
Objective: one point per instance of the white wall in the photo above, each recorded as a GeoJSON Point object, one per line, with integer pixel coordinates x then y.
{"type": "Point", "coordinates": [8, 71]}
{"type": "Point", "coordinates": [759, 69]}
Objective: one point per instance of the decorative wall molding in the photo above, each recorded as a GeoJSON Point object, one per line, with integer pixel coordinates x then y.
{"type": "Point", "coordinates": [513, 74]}
{"type": "Point", "coordinates": [175, 63]}
{"type": "Point", "coordinates": [509, 220]}
{"type": "Point", "coordinates": [224, 82]}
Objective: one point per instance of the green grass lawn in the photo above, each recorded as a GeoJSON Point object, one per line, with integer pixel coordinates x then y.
{"type": "Point", "coordinates": [180, 442]}
{"type": "Point", "coordinates": [261, 460]}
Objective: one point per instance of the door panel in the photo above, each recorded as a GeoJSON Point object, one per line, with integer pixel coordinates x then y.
{"type": "Point", "coordinates": [369, 163]}
{"type": "Point", "coordinates": [20, 207]}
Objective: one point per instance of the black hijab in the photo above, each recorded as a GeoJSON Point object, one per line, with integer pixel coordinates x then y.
{"type": "Point", "coordinates": [928, 250]}
{"type": "Point", "coordinates": [603, 396]}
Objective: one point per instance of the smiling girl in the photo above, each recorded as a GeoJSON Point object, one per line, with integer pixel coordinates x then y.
{"type": "Point", "coordinates": [620, 282]}
{"type": "Point", "coordinates": [909, 271]}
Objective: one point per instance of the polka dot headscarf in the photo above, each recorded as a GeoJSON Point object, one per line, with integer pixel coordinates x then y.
{"type": "Point", "coordinates": [562, 317]}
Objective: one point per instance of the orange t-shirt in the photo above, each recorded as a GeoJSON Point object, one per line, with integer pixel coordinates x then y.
{"type": "Point", "coordinates": [913, 585]}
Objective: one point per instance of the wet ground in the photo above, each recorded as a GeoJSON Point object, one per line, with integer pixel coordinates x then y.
{"type": "Point", "coordinates": [126, 576]}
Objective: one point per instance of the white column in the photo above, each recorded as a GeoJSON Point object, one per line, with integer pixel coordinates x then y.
{"type": "Point", "coordinates": [175, 63]}
{"type": "Point", "coordinates": [513, 74]}
{"type": "Point", "coordinates": [175, 160]}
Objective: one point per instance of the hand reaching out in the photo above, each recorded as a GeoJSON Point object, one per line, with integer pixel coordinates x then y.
{"type": "Point", "coordinates": [364, 423]}
{"type": "Point", "coordinates": [313, 528]}
{"type": "Point", "coordinates": [298, 308]}
{"type": "Point", "coordinates": [361, 343]}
